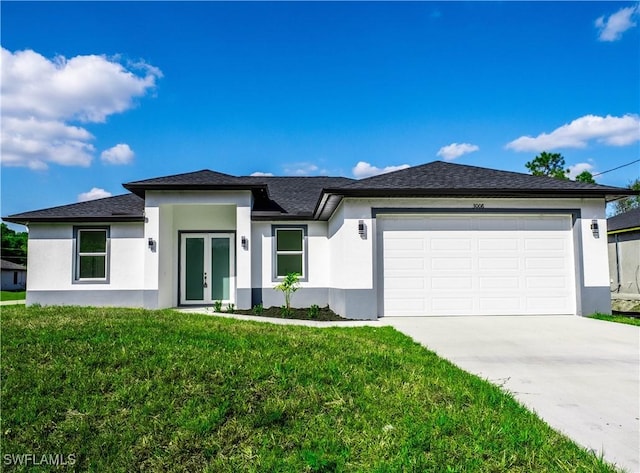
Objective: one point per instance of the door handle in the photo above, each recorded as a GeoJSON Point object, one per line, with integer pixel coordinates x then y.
{"type": "Point", "coordinates": [204, 283]}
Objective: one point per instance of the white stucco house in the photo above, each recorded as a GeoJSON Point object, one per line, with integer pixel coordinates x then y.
{"type": "Point", "coordinates": [436, 239]}
{"type": "Point", "coordinates": [14, 276]}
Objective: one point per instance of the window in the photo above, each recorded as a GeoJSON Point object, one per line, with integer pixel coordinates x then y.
{"type": "Point", "coordinates": [91, 256]}
{"type": "Point", "coordinates": [289, 251]}
{"type": "Point", "coordinates": [15, 277]}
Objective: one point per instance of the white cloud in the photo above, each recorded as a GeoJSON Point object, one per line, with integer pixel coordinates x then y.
{"type": "Point", "coordinates": [118, 154]}
{"type": "Point", "coordinates": [261, 174]}
{"type": "Point", "coordinates": [578, 168]}
{"type": "Point", "coordinates": [455, 150]}
{"type": "Point", "coordinates": [93, 194]}
{"type": "Point", "coordinates": [44, 99]}
{"type": "Point", "coordinates": [611, 29]}
{"type": "Point", "coordinates": [364, 169]}
{"type": "Point", "coordinates": [613, 131]}
{"type": "Point", "coordinates": [301, 169]}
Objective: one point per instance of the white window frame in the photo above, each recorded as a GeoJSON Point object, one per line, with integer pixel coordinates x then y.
{"type": "Point", "coordinates": [303, 252]}
{"type": "Point", "coordinates": [77, 254]}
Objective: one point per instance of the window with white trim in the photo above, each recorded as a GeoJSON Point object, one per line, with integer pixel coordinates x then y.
{"type": "Point", "coordinates": [92, 254]}
{"type": "Point", "coordinates": [289, 251]}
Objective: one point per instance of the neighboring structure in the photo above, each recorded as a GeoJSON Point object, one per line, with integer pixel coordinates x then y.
{"type": "Point", "coordinates": [623, 234]}
{"type": "Point", "coordinates": [435, 239]}
{"type": "Point", "coordinates": [14, 276]}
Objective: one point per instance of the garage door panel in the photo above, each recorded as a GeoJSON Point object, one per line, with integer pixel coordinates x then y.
{"type": "Point", "coordinates": [546, 282]}
{"type": "Point", "coordinates": [457, 283]}
{"type": "Point", "coordinates": [545, 244]}
{"type": "Point", "coordinates": [452, 305]}
{"type": "Point", "coordinates": [477, 265]}
{"type": "Point", "coordinates": [450, 244]}
{"type": "Point", "coordinates": [500, 283]}
{"type": "Point", "coordinates": [498, 244]}
{"type": "Point", "coordinates": [499, 305]}
{"type": "Point", "coordinates": [404, 244]}
{"type": "Point", "coordinates": [545, 263]}
{"type": "Point", "coordinates": [498, 263]}
{"type": "Point", "coordinates": [405, 264]}
{"type": "Point", "coordinates": [450, 264]}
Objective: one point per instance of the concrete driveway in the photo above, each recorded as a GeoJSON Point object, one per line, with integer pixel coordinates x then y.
{"type": "Point", "coordinates": [582, 376]}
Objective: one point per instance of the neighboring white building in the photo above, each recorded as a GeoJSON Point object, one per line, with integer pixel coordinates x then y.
{"type": "Point", "coordinates": [435, 239]}
{"type": "Point", "coordinates": [14, 276]}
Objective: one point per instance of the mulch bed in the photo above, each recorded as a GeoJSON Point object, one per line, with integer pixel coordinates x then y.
{"type": "Point", "coordinates": [324, 313]}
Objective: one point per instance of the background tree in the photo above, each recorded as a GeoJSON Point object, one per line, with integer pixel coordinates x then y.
{"type": "Point", "coordinates": [585, 176]}
{"type": "Point", "coordinates": [628, 203]}
{"type": "Point", "coordinates": [14, 245]}
{"type": "Point", "coordinates": [548, 164]}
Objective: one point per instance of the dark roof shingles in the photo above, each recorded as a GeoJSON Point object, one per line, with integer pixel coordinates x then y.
{"type": "Point", "coordinates": [127, 206]}
{"type": "Point", "coordinates": [4, 264]}
{"type": "Point", "coordinates": [630, 219]}
{"type": "Point", "coordinates": [440, 176]}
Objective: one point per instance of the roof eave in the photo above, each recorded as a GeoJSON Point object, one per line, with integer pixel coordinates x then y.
{"type": "Point", "coordinates": [114, 218]}
{"type": "Point", "coordinates": [140, 189]}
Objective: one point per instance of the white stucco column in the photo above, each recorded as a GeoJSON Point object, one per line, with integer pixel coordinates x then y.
{"type": "Point", "coordinates": [243, 255]}
{"type": "Point", "coordinates": [151, 278]}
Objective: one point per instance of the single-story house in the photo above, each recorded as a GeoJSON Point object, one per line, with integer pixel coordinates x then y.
{"type": "Point", "coordinates": [435, 239]}
{"type": "Point", "coordinates": [14, 276]}
{"type": "Point", "coordinates": [623, 234]}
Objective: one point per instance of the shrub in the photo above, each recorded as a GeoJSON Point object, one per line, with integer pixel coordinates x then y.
{"type": "Point", "coordinates": [313, 311]}
{"type": "Point", "coordinates": [217, 306]}
{"type": "Point", "coordinates": [289, 285]}
{"type": "Point", "coordinates": [231, 308]}
{"type": "Point", "coordinates": [258, 309]}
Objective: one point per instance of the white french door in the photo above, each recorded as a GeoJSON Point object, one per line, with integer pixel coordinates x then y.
{"type": "Point", "coordinates": [207, 268]}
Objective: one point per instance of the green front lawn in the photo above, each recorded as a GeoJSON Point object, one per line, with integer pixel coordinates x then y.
{"type": "Point", "coordinates": [12, 295]}
{"type": "Point", "coordinates": [622, 319]}
{"type": "Point", "coordinates": [135, 390]}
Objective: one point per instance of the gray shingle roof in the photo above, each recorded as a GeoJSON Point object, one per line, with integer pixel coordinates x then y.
{"type": "Point", "coordinates": [630, 219]}
{"type": "Point", "coordinates": [317, 197]}
{"type": "Point", "coordinates": [123, 208]}
{"type": "Point", "coordinates": [439, 176]}
{"type": "Point", "coordinates": [4, 264]}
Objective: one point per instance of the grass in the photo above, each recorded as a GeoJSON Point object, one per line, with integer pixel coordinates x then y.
{"type": "Point", "coordinates": [621, 319]}
{"type": "Point", "coordinates": [12, 295]}
{"type": "Point", "coordinates": [135, 390]}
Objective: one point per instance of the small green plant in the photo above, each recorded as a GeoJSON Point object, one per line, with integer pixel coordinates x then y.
{"type": "Point", "coordinates": [285, 311]}
{"type": "Point", "coordinates": [217, 306]}
{"type": "Point", "coordinates": [313, 311]}
{"type": "Point", "coordinates": [231, 308]}
{"type": "Point", "coordinates": [258, 309]}
{"type": "Point", "coordinates": [289, 285]}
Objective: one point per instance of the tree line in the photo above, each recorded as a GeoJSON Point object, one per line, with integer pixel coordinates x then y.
{"type": "Point", "coordinates": [14, 245]}
{"type": "Point", "coordinates": [553, 165]}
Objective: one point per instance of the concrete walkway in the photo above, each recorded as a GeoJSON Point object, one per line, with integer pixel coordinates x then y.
{"type": "Point", "coordinates": [582, 376]}
{"type": "Point", "coordinates": [22, 302]}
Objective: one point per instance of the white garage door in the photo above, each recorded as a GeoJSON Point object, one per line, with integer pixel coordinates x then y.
{"type": "Point", "coordinates": [477, 265]}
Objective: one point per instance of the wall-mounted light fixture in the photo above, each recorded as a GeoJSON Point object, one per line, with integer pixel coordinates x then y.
{"type": "Point", "coordinates": [152, 243]}
{"type": "Point", "coordinates": [244, 241]}
{"type": "Point", "coordinates": [594, 228]}
{"type": "Point", "coordinates": [362, 229]}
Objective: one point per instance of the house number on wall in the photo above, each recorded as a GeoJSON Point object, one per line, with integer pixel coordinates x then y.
{"type": "Point", "coordinates": [478, 206]}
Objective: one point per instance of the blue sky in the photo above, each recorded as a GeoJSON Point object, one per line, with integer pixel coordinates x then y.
{"type": "Point", "coordinates": [97, 94]}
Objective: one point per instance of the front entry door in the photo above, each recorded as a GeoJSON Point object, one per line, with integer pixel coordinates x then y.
{"type": "Point", "coordinates": [207, 268]}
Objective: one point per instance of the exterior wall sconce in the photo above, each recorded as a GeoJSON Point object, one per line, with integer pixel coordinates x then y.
{"type": "Point", "coordinates": [362, 229]}
{"type": "Point", "coordinates": [594, 228]}
{"type": "Point", "coordinates": [244, 241]}
{"type": "Point", "coordinates": [152, 244]}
